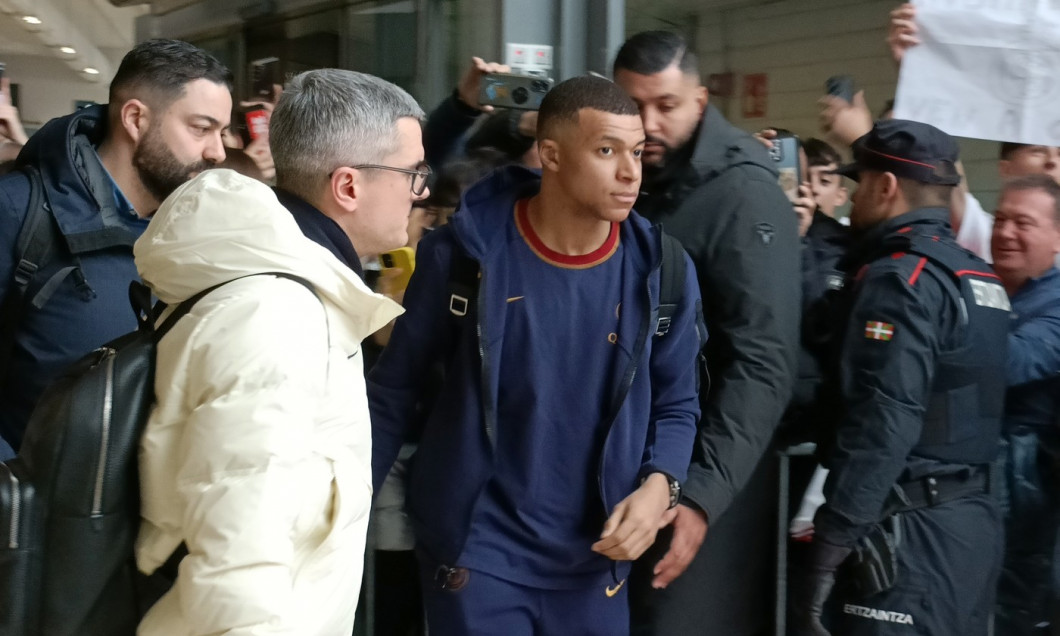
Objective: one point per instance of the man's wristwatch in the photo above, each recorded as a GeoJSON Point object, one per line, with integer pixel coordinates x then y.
{"type": "Point", "coordinates": [675, 492]}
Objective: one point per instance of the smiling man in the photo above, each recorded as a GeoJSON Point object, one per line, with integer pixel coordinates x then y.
{"type": "Point", "coordinates": [554, 449]}
{"type": "Point", "coordinates": [101, 172]}
{"type": "Point", "coordinates": [1025, 243]}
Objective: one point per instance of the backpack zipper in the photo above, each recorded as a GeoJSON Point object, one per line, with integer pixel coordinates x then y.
{"type": "Point", "coordinates": [16, 511]}
{"type": "Point", "coordinates": [107, 356]}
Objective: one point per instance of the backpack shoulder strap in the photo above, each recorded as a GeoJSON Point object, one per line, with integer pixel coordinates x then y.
{"type": "Point", "coordinates": [136, 296]}
{"type": "Point", "coordinates": [672, 274]}
{"type": "Point", "coordinates": [36, 238]}
{"type": "Point", "coordinates": [463, 283]}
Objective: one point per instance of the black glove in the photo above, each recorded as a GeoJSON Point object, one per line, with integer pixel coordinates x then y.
{"type": "Point", "coordinates": [812, 587]}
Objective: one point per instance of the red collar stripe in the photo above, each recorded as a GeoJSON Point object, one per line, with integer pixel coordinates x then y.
{"type": "Point", "coordinates": [552, 257]}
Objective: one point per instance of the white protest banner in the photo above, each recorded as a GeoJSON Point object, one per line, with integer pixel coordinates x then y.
{"type": "Point", "coordinates": [988, 69]}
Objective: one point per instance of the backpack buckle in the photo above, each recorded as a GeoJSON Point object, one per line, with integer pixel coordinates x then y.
{"type": "Point", "coordinates": [458, 305]}
{"type": "Point", "coordinates": [24, 272]}
{"type": "Point", "coordinates": [663, 326]}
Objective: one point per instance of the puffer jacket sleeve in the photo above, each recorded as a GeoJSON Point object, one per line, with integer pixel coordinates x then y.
{"type": "Point", "coordinates": [255, 380]}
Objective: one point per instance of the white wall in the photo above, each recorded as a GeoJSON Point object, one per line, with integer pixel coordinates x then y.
{"type": "Point", "coordinates": [799, 44]}
{"type": "Point", "coordinates": [48, 88]}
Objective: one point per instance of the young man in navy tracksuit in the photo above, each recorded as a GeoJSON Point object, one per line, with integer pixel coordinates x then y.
{"type": "Point", "coordinates": [565, 423]}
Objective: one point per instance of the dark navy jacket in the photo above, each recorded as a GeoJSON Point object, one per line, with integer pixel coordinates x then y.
{"type": "Point", "coordinates": [655, 403]}
{"type": "Point", "coordinates": [78, 317]}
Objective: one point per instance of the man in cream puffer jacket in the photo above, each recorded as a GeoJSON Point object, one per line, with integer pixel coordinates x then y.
{"type": "Point", "coordinates": [257, 454]}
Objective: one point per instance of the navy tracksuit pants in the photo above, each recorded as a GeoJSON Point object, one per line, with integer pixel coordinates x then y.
{"type": "Point", "coordinates": [484, 605]}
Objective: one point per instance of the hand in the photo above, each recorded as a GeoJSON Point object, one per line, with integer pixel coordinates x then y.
{"type": "Point", "coordinates": [845, 121]}
{"type": "Point", "coordinates": [10, 124]}
{"type": "Point", "coordinates": [469, 85]}
{"type": "Point", "coordinates": [902, 31]}
{"type": "Point", "coordinates": [766, 137]}
{"type": "Point", "coordinates": [631, 528]}
{"type": "Point", "coordinates": [804, 207]}
{"type": "Point", "coordinates": [259, 151]}
{"type": "Point", "coordinates": [812, 587]}
{"type": "Point", "coordinates": [690, 528]}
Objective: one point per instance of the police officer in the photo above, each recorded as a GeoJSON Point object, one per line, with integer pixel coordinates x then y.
{"type": "Point", "coordinates": [910, 534]}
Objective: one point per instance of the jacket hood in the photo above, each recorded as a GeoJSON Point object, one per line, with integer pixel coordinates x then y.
{"type": "Point", "coordinates": [64, 150]}
{"type": "Point", "coordinates": [481, 215]}
{"type": "Point", "coordinates": [720, 145]}
{"type": "Point", "coordinates": [221, 225]}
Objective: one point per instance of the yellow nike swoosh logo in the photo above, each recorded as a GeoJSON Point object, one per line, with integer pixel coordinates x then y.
{"type": "Point", "coordinates": [611, 591]}
{"type": "Point", "coordinates": [515, 298]}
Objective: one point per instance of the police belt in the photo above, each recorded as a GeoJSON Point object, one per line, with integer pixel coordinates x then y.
{"type": "Point", "coordinates": [939, 489]}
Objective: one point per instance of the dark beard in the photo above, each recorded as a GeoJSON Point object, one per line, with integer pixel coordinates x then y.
{"type": "Point", "coordinates": [159, 169]}
{"type": "Point", "coordinates": [674, 163]}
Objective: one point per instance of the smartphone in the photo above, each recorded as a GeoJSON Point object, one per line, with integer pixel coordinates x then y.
{"type": "Point", "coordinates": [403, 258]}
{"type": "Point", "coordinates": [840, 86]}
{"type": "Point", "coordinates": [785, 155]}
{"type": "Point", "coordinates": [264, 73]}
{"type": "Point", "coordinates": [251, 122]}
{"type": "Point", "coordinates": [508, 90]}
{"type": "Point", "coordinates": [2, 68]}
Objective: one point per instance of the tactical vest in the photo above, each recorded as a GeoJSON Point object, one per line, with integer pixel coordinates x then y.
{"type": "Point", "coordinates": [962, 422]}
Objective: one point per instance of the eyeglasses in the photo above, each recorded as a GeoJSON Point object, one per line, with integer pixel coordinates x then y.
{"type": "Point", "coordinates": [419, 177]}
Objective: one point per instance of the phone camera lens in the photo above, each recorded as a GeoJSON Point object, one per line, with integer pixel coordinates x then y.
{"type": "Point", "coordinates": [520, 95]}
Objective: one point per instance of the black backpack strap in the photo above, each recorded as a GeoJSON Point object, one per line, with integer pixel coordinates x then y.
{"type": "Point", "coordinates": [463, 283]}
{"type": "Point", "coordinates": [672, 274]}
{"type": "Point", "coordinates": [38, 239]}
{"type": "Point", "coordinates": [136, 296]}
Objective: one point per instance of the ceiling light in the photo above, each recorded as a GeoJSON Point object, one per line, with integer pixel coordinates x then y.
{"type": "Point", "coordinates": [67, 50]}
{"type": "Point", "coordinates": [31, 19]}
{"type": "Point", "coordinates": [90, 71]}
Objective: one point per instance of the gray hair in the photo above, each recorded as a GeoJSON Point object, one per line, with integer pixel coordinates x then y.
{"type": "Point", "coordinates": [330, 118]}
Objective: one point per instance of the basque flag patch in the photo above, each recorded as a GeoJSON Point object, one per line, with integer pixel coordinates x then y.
{"type": "Point", "coordinates": [875, 330]}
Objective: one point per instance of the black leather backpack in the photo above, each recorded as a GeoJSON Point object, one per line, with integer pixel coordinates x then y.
{"type": "Point", "coordinates": [70, 501]}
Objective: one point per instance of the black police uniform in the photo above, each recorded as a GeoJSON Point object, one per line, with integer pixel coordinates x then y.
{"type": "Point", "coordinates": [921, 369]}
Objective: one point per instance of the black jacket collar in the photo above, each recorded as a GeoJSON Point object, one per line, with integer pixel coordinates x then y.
{"type": "Point", "coordinates": [321, 229]}
{"type": "Point", "coordinates": [874, 242]}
